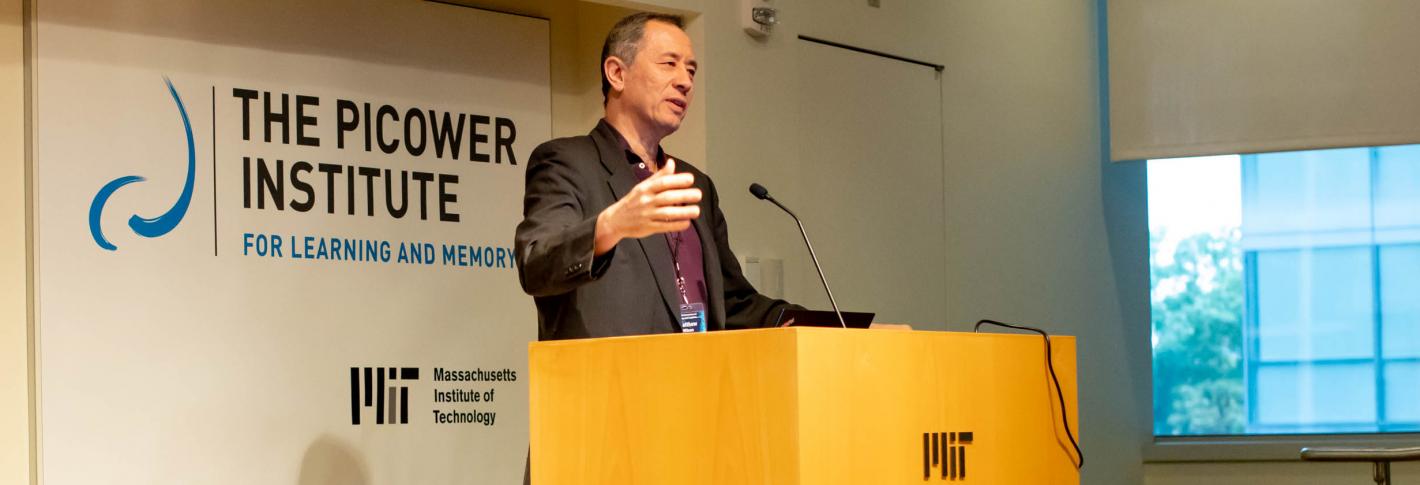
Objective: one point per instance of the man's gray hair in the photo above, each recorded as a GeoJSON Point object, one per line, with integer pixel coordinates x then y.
{"type": "Point", "coordinates": [624, 40]}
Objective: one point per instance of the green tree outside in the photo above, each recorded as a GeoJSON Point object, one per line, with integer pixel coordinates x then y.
{"type": "Point", "coordinates": [1197, 315]}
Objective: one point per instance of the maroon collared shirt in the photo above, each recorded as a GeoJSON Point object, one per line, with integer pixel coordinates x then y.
{"type": "Point", "coordinates": [685, 246]}
{"type": "Point", "coordinates": [686, 250]}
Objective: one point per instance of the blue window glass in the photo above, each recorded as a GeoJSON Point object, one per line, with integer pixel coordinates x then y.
{"type": "Point", "coordinates": [1402, 385]}
{"type": "Point", "coordinates": [1400, 301]}
{"type": "Point", "coordinates": [1285, 292]}
{"type": "Point", "coordinates": [1314, 397]}
{"type": "Point", "coordinates": [1397, 205]}
{"type": "Point", "coordinates": [1314, 304]}
{"type": "Point", "coordinates": [1300, 197]}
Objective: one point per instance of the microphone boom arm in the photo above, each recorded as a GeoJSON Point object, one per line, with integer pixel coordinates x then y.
{"type": "Point", "coordinates": [810, 245]}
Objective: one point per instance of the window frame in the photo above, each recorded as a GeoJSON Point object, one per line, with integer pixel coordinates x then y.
{"type": "Point", "coordinates": [1285, 445]}
{"type": "Point", "coordinates": [1246, 448]}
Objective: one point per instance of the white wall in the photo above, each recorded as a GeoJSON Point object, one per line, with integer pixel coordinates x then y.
{"type": "Point", "coordinates": [1040, 228]}
{"type": "Point", "coordinates": [1027, 222]}
{"type": "Point", "coordinates": [14, 348]}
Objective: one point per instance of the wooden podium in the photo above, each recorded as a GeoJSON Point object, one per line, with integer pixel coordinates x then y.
{"type": "Point", "coordinates": [801, 406]}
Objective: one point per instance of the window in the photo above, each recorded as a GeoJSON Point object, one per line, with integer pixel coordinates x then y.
{"type": "Point", "coordinates": [1285, 291]}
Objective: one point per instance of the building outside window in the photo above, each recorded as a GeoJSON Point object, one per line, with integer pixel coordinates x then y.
{"type": "Point", "coordinates": [1285, 292]}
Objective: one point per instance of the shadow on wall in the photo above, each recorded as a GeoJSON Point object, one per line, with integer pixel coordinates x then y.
{"type": "Point", "coordinates": [329, 461]}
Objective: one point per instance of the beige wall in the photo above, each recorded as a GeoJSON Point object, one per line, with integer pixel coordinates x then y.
{"type": "Point", "coordinates": [1040, 228]}
{"type": "Point", "coordinates": [14, 342]}
{"type": "Point", "coordinates": [1031, 207]}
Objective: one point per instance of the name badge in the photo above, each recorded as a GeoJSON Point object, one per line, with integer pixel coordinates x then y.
{"type": "Point", "coordinates": [692, 317]}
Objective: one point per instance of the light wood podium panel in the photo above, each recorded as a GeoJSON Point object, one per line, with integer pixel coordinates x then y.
{"type": "Point", "coordinates": [801, 406]}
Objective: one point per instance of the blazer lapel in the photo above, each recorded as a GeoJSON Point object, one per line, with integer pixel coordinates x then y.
{"type": "Point", "coordinates": [658, 253]}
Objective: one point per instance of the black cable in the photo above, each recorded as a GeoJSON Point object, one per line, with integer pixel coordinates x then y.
{"type": "Point", "coordinates": [1049, 364]}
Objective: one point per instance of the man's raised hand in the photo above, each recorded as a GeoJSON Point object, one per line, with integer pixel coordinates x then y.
{"type": "Point", "coordinates": [665, 202]}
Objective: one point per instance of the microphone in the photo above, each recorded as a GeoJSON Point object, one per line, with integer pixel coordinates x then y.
{"type": "Point", "coordinates": [762, 193]}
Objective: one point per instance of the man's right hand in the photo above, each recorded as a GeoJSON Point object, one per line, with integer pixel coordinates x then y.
{"type": "Point", "coordinates": [664, 202]}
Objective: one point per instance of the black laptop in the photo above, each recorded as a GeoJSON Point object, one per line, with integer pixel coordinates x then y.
{"type": "Point", "coordinates": [817, 318]}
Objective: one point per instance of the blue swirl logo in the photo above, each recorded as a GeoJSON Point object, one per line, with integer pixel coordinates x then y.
{"type": "Point", "coordinates": [148, 226]}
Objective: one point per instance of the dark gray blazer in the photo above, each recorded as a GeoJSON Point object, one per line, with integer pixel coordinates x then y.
{"type": "Point", "coordinates": [628, 291]}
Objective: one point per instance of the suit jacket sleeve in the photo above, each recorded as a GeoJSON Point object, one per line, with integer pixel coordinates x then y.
{"type": "Point", "coordinates": [745, 307]}
{"type": "Point", "coordinates": [554, 242]}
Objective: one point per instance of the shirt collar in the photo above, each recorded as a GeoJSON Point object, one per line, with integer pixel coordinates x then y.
{"type": "Point", "coordinates": [631, 156]}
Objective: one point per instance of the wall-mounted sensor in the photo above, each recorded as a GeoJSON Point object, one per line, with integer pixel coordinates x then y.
{"type": "Point", "coordinates": [758, 17]}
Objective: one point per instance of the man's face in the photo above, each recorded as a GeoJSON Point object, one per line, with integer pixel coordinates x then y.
{"type": "Point", "coordinates": [658, 85]}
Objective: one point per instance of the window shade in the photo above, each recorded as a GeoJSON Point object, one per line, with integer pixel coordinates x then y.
{"type": "Point", "coordinates": [1208, 77]}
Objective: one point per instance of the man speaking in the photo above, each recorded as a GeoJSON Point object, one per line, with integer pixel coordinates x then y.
{"type": "Point", "coordinates": [617, 237]}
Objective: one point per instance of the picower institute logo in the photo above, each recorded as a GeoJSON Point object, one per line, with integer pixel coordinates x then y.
{"type": "Point", "coordinates": [391, 402]}
{"type": "Point", "coordinates": [146, 226]}
{"type": "Point", "coordinates": [946, 452]}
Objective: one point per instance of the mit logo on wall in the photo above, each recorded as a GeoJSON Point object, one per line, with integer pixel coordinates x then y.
{"type": "Point", "coordinates": [391, 402]}
{"type": "Point", "coordinates": [946, 452]}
